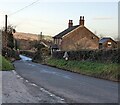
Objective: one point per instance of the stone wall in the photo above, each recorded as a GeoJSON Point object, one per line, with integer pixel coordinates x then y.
{"type": "Point", "coordinates": [80, 38]}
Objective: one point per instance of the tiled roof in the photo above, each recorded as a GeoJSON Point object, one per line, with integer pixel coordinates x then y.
{"type": "Point", "coordinates": [103, 40]}
{"type": "Point", "coordinates": [61, 34]}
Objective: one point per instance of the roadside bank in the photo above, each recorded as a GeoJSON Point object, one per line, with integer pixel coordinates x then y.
{"type": "Point", "coordinates": [6, 65]}
{"type": "Point", "coordinates": [107, 71]}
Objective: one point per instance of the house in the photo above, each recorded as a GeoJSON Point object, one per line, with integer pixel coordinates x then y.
{"type": "Point", "coordinates": [118, 43]}
{"type": "Point", "coordinates": [107, 43]}
{"type": "Point", "coordinates": [76, 37]}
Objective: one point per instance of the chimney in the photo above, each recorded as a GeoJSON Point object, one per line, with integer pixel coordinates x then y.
{"type": "Point", "coordinates": [5, 23]}
{"type": "Point", "coordinates": [70, 24]}
{"type": "Point", "coordinates": [81, 21]}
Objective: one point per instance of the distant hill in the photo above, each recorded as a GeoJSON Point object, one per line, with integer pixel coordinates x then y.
{"type": "Point", "coordinates": [31, 37]}
{"type": "Point", "coordinates": [26, 41]}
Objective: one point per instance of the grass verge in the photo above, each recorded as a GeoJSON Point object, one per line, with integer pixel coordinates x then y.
{"type": "Point", "coordinates": [107, 71]}
{"type": "Point", "coordinates": [5, 65]}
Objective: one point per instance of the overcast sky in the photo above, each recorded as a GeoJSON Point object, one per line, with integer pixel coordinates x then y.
{"type": "Point", "coordinates": [52, 17]}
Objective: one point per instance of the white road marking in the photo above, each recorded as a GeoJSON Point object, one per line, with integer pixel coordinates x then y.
{"type": "Point", "coordinates": [18, 76]}
{"type": "Point", "coordinates": [34, 84]}
{"type": "Point", "coordinates": [14, 72]}
{"type": "Point", "coordinates": [62, 99]}
{"type": "Point", "coordinates": [26, 81]}
{"type": "Point", "coordinates": [52, 95]}
{"type": "Point", "coordinates": [41, 88]}
{"type": "Point", "coordinates": [21, 78]}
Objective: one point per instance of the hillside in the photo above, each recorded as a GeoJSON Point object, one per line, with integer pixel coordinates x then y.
{"type": "Point", "coordinates": [30, 37]}
{"type": "Point", "coordinates": [26, 41]}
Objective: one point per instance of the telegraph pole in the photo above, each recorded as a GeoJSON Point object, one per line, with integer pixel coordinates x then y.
{"type": "Point", "coordinates": [40, 37]}
{"type": "Point", "coordinates": [5, 23]}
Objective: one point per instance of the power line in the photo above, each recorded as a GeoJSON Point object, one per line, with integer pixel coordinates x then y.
{"type": "Point", "coordinates": [23, 8]}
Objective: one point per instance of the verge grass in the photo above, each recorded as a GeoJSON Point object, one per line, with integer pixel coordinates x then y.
{"type": "Point", "coordinates": [96, 69]}
{"type": "Point", "coordinates": [5, 65]}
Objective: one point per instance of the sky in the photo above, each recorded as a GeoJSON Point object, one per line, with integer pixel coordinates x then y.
{"type": "Point", "coordinates": [51, 17]}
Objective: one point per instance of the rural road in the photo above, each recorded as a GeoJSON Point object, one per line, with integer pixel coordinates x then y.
{"type": "Point", "coordinates": [70, 86]}
{"type": "Point", "coordinates": [16, 89]}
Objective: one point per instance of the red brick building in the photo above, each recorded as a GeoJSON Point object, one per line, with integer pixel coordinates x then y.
{"type": "Point", "coordinates": [76, 37]}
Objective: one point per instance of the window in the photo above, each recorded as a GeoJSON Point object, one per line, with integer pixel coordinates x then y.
{"type": "Point", "coordinates": [109, 44]}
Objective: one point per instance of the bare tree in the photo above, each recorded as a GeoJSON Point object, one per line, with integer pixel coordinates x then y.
{"type": "Point", "coordinates": [10, 29]}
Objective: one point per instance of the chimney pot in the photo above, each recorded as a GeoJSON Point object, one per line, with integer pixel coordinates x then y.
{"type": "Point", "coordinates": [70, 24]}
{"type": "Point", "coordinates": [81, 21]}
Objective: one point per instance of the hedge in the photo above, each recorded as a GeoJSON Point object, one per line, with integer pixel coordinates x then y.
{"type": "Point", "coordinates": [108, 55]}
{"type": "Point", "coordinates": [10, 53]}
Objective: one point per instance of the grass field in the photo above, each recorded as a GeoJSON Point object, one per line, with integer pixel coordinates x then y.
{"type": "Point", "coordinates": [5, 65]}
{"type": "Point", "coordinates": [95, 69]}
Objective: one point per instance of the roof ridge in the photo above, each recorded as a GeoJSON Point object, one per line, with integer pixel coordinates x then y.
{"type": "Point", "coordinates": [64, 32]}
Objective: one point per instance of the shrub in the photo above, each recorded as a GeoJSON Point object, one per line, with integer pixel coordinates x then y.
{"type": "Point", "coordinates": [111, 55]}
{"type": "Point", "coordinates": [10, 53]}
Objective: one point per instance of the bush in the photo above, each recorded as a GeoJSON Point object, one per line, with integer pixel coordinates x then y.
{"type": "Point", "coordinates": [111, 55]}
{"type": "Point", "coordinates": [10, 53]}
{"type": "Point", "coordinates": [41, 55]}
{"type": "Point", "coordinates": [10, 40]}
{"type": "Point", "coordinates": [38, 57]}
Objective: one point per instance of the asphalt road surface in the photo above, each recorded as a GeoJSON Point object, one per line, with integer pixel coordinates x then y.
{"type": "Point", "coordinates": [72, 87]}
{"type": "Point", "coordinates": [16, 89]}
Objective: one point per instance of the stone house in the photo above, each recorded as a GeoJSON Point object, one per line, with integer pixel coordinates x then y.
{"type": "Point", "coordinates": [107, 43]}
{"type": "Point", "coordinates": [76, 37]}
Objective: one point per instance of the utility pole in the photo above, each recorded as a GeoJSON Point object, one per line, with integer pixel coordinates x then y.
{"type": "Point", "coordinates": [40, 37]}
{"type": "Point", "coordinates": [5, 23]}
